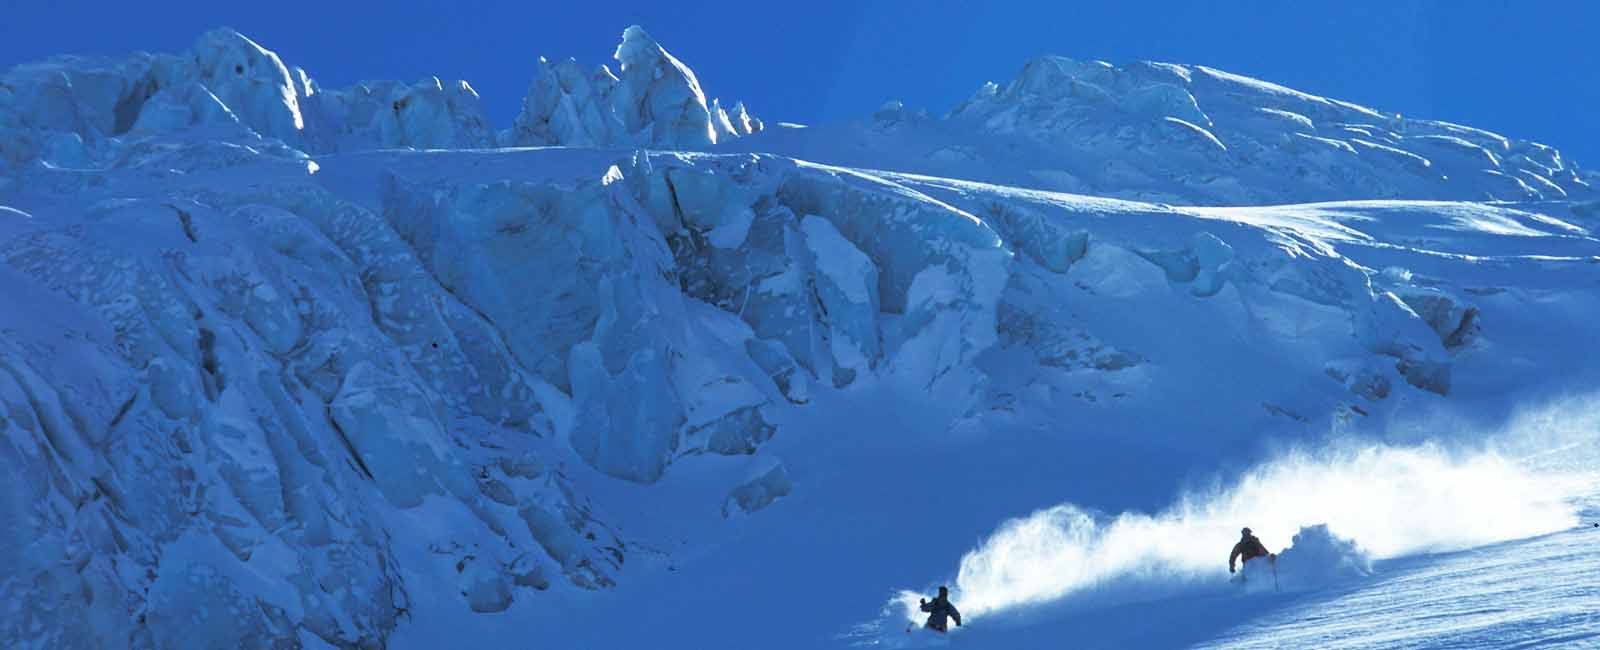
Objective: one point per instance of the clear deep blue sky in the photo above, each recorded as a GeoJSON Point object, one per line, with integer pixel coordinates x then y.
{"type": "Point", "coordinates": [1524, 69]}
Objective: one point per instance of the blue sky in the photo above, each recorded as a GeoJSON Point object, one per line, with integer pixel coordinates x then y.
{"type": "Point", "coordinates": [1522, 69]}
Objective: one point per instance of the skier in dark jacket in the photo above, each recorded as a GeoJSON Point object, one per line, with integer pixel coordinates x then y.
{"type": "Point", "coordinates": [939, 609]}
{"type": "Point", "coordinates": [1248, 548]}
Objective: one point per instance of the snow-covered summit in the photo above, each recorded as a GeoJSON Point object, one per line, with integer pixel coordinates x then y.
{"type": "Point", "coordinates": [1190, 135]}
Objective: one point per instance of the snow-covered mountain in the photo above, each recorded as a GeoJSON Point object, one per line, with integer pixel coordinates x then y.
{"type": "Point", "coordinates": [1188, 135]}
{"type": "Point", "coordinates": [290, 367]}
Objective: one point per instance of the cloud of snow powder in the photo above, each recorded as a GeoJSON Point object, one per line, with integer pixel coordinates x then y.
{"type": "Point", "coordinates": [1391, 500]}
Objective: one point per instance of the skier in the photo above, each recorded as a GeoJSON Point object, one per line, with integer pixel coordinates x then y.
{"type": "Point", "coordinates": [1248, 548]}
{"type": "Point", "coordinates": [939, 609]}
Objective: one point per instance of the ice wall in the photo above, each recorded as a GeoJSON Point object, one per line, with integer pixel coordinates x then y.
{"type": "Point", "coordinates": [652, 100]}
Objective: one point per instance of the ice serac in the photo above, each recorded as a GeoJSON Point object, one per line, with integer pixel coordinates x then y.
{"type": "Point", "coordinates": [846, 287]}
{"type": "Point", "coordinates": [430, 114]}
{"type": "Point", "coordinates": [225, 78]}
{"type": "Point", "coordinates": [95, 113]}
{"type": "Point", "coordinates": [680, 298]}
{"type": "Point", "coordinates": [606, 333]}
{"type": "Point", "coordinates": [841, 295]}
{"type": "Point", "coordinates": [262, 377]}
{"type": "Point", "coordinates": [252, 81]}
{"type": "Point", "coordinates": [652, 100]}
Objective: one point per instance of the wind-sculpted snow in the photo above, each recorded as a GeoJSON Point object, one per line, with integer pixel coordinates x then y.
{"type": "Point", "coordinates": [1323, 512]}
{"type": "Point", "coordinates": [1187, 135]}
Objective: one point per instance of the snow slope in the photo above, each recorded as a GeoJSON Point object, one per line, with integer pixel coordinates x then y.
{"type": "Point", "coordinates": [1187, 135]}
{"type": "Point", "coordinates": [286, 367]}
{"type": "Point", "coordinates": [1520, 593]}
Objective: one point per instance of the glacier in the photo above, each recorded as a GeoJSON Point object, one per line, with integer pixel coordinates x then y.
{"type": "Point", "coordinates": [1187, 135]}
{"type": "Point", "coordinates": [286, 366]}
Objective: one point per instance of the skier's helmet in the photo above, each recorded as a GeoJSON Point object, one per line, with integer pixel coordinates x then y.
{"type": "Point", "coordinates": [1246, 531]}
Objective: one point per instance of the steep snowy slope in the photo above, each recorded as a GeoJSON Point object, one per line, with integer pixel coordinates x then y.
{"type": "Point", "coordinates": [266, 383]}
{"type": "Point", "coordinates": [1521, 593]}
{"type": "Point", "coordinates": [1188, 135]}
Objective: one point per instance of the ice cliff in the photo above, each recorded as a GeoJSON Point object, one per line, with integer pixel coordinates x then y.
{"type": "Point", "coordinates": [77, 111]}
{"type": "Point", "coordinates": [653, 100]}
